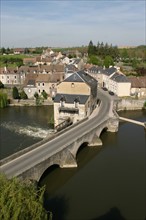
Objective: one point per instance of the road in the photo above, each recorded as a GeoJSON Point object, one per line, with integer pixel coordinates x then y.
{"type": "Point", "coordinates": [35, 156]}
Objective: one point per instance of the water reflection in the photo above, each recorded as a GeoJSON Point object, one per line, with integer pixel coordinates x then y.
{"type": "Point", "coordinates": [109, 182]}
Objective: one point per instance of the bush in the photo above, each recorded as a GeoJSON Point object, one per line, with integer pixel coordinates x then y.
{"type": "Point", "coordinates": [44, 94]}
{"type": "Point", "coordinates": [1, 85]}
{"type": "Point", "coordinates": [23, 95]}
{"type": "Point", "coordinates": [21, 200]}
{"type": "Point", "coordinates": [36, 95]}
{"type": "Point", "coordinates": [15, 93]}
{"type": "Point", "coordinates": [3, 100]}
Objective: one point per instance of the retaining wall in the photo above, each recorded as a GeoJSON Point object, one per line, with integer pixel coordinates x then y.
{"type": "Point", "coordinates": [130, 104]}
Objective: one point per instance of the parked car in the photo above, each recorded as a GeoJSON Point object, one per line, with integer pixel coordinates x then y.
{"type": "Point", "coordinates": [104, 88]}
{"type": "Point", "coordinates": [111, 93]}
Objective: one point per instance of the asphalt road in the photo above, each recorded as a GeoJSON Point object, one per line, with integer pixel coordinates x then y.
{"type": "Point", "coordinates": [35, 156]}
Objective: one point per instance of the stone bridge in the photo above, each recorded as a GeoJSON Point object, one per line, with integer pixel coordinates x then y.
{"type": "Point", "coordinates": [66, 158]}
{"type": "Point", "coordinates": [62, 150]}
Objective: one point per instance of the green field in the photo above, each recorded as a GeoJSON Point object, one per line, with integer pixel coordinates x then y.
{"type": "Point", "coordinates": [13, 60]}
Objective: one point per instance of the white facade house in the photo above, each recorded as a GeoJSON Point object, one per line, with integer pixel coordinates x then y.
{"type": "Point", "coordinates": [119, 84]}
{"type": "Point", "coordinates": [9, 76]}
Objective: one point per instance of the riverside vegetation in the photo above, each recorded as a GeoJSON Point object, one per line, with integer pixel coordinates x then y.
{"type": "Point", "coordinates": [21, 200]}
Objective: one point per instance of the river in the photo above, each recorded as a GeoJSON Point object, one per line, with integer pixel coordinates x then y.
{"type": "Point", "coordinates": [110, 180]}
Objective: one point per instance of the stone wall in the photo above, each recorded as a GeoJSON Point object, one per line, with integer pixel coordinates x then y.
{"type": "Point", "coordinates": [28, 102]}
{"type": "Point", "coordinates": [130, 104]}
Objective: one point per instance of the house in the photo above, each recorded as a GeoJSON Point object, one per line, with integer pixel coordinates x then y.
{"type": "Point", "coordinates": [109, 72]}
{"type": "Point", "coordinates": [42, 83]}
{"type": "Point", "coordinates": [29, 61]}
{"type": "Point", "coordinates": [97, 73]}
{"type": "Point", "coordinates": [76, 98]}
{"type": "Point", "coordinates": [30, 85]}
{"type": "Point", "coordinates": [69, 70]}
{"type": "Point", "coordinates": [78, 63]}
{"type": "Point", "coordinates": [48, 83]}
{"type": "Point", "coordinates": [9, 76]}
{"type": "Point", "coordinates": [119, 84]}
{"type": "Point", "coordinates": [138, 86]}
{"type": "Point", "coordinates": [19, 50]}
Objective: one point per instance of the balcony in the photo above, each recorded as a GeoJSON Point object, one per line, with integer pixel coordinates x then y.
{"type": "Point", "coordinates": [69, 110]}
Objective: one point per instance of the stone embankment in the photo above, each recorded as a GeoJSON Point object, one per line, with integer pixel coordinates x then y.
{"type": "Point", "coordinates": [130, 104]}
{"type": "Point", "coordinates": [28, 102]}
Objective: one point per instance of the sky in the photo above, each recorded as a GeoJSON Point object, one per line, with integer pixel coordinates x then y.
{"type": "Point", "coordinates": [69, 23]}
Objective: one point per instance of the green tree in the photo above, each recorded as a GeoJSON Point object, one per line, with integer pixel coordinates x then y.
{"type": "Point", "coordinates": [36, 95]}
{"type": "Point", "coordinates": [94, 60]}
{"type": "Point", "coordinates": [23, 95]}
{"type": "Point", "coordinates": [21, 200]}
{"type": "Point", "coordinates": [108, 61]}
{"type": "Point", "coordinates": [44, 94]}
{"type": "Point", "coordinates": [91, 49]}
{"type": "Point", "coordinates": [1, 85]}
{"type": "Point", "coordinates": [3, 100]}
{"type": "Point", "coordinates": [15, 93]}
{"type": "Point", "coordinates": [3, 50]}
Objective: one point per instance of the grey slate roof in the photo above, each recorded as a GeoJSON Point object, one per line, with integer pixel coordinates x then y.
{"type": "Point", "coordinates": [120, 78]}
{"type": "Point", "coordinates": [96, 69]}
{"type": "Point", "coordinates": [69, 98]}
{"type": "Point", "coordinates": [82, 76]}
{"type": "Point", "coordinates": [110, 71]}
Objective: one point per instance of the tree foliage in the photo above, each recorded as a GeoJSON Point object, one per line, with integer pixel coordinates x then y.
{"type": "Point", "coordinates": [3, 100]}
{"type": "Point", "coordinates": [21, 200]}
{"type": "Point", "coordinates": [23, 95]}
{"type": "Point", "coordinates": [15, 93]}
{"type": "Point", "coordinates": [9, 60]}
{"type": "Point", "coordinates": [94, 60]}
{"type": "Point", "coordinates": [108, 61]}
{"type": "Point", "coordinates": [44, 94]}
{"type": "Point", "coordinates": [1, 85]}
{"type": "Point", "coordinates": [103, 50]}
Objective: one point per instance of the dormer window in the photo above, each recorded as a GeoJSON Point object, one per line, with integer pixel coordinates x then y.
{"type": "Point", "coordinates": [76, 101]}
{"type": "Point", "coordinates": [62, 101]}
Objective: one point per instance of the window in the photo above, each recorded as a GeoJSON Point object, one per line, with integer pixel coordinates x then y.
{"type": "Point", "coordinates": [62, 101]}
{"type": "Point", "coordinates": [76, 104]}
{"type": "Point", "coordinates": [72, 85]}
{"type": "Point", "coordinates": [43, 84]}
{"type": "Point", "coordinates": [15, 77]}
{"type": "Point", "coordinates": [7, 77]}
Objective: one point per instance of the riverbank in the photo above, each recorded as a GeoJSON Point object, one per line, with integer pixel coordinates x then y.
{"type": "Point", "coordinates": [130, 104]}
{"type": "Point", "coordinates": [122, 104]}
{"type": "Point", "coordinates": [28, 102]}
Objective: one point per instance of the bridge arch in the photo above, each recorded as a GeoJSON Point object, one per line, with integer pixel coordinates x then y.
{"type": "Point", "coordinates": [48, 171]}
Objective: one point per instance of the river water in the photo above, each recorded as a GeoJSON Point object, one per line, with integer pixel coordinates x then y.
{"type": "Point", "coordinates": [109, 182]}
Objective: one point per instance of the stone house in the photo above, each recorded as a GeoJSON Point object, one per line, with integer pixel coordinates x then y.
{"type": "Point", "coordinates": [119, 84]}
{"type": "Point", "coordinates": [9, 76]}
{"type": "Point", "coordinates": [109, 72]}
{"type": "Point", "coordinates": [78, 63]}
{"type": "Point", "coordinates": [138, 86]}
{"type": "Point", "coordinates": [30, 85]}
{"type": "Point", "coordinates": [42, 83]}
{"type": "Point", "coordinates": [19, 50]}
{"type": "Point", "coordinates": [29, 61]}
{"type": "Point", "coordinates": [76, 98]}
{"type": "Point", "coordinates": [97, 73]}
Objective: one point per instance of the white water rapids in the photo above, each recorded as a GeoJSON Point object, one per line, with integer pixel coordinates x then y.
{"type": "Point", "coordinates": [33, 131]}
